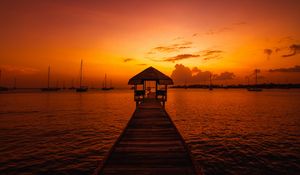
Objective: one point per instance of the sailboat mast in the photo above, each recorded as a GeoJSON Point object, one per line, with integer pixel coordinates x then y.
{"type": "Point", "coordinates": [48, 76]}
{"type": "Point", "coordinates": [80, 81]}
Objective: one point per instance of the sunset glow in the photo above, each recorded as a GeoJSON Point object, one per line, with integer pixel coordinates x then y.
{"type": "Point", "coordinates": [121, 38]}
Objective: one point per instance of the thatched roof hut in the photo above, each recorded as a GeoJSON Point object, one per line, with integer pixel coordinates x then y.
{"type": "Point", "coordinates": [150, 74]}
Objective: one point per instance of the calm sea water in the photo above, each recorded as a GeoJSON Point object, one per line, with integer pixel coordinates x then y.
{"type": "Point", "coordinates": [228, 131]}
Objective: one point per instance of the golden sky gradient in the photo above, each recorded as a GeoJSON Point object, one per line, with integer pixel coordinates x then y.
{"type": "Point", "coordinates": [121, 38]}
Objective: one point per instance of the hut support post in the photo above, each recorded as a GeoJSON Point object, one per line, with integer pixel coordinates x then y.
{"type": "Point", "coordinates": [134, 95]}
{"type": "Point", "coordinates": [156, 84]}
{"type": "Point", "coordinates": [144, 88]}
{"type": "Point", "coordinates": [166, 87]}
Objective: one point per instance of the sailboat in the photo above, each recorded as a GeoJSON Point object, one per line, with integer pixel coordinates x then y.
{"type": "Point", "coordinates": [255, 88]}
{"type": "Point", "coordinates": [210, 83]}
{"type": "Point", "coordinates": [81, 88]}
{"type": "Point", "coordinates": [1, 87]}
{"type": "Point", "coordinates": [105, 88]}
{"type": "Point", "coordinates": [48, 88]}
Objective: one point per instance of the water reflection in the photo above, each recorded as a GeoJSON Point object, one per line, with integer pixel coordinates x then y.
{"type": "Point", "coordinates": [238, 132]}
{"type": "Point", "coordinates": [229, 131]}
{"type": "Point", "coordinates": [59, 132]}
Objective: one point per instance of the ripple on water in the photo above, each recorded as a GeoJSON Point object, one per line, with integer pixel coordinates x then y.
{"type": "Point", "coordinates": [228, 131]}
{"type": "Point", "coordinates": [234, 132]}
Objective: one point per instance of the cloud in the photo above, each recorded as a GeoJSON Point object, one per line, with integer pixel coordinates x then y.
{"type": "Point", "coordinates": [173, 47]}
{"type": "Point", "coordinates": [177, 38]}
{"type": "Point", "coordinates": [294, 49]}
{"type": "Point", "coordinates": [150, 53]}
{"type": "Point", "coordinates": [217, 31]}
{"type": "Point", "coordinates": [181, 74]}
{"type": "Point", "coordinates": [195, 70]}
{"type": "Point", "coordinates": [291, 69]}
{"type": "Point", "coordinates": [225, 76]}
{"type": "Point", "coordinates": [166, 49]}
{"type": "Point", "coordinates": [18, 69]}
{"type": "Point", "coordinates": [127, 59]}
{"type": "Point", "coordinates": [225, 29]}
{"type": "Point", "coordinates": [195, 34]}
{"type": "Point", "coordinates": [277, 49]}
{"type": "Point", "coordinates": [199, 75]}
{"type": "Point", "coordinates": [142, 64]}
{"type": "Point", "coordinates": [181, 57]}
{"type": "Point", "coordinates": [269, 52]}
{"type": "Point", "coordinates": [205, 55]}
{"type": "Point", "coordinates": [211, 54]}
{"type": "Point", "coordinates": [184, 75]}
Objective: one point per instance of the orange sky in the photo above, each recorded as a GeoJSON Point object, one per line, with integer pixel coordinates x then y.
{"type": "Point", "coordinates": [121, 38]}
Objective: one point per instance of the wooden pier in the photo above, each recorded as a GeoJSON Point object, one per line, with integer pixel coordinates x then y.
{"type": "Point", "coordinates": [150, 144]}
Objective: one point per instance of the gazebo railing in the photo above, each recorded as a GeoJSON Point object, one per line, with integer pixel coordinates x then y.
{"type": "Point", "coordinates": [162, 95]}
{"type": "Point", "coordinates": [139, 95]}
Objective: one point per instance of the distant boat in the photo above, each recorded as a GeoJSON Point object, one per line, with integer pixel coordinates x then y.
{"type": "Point", "coordinates": [255, 88]}
{"type": "Point", "coordinates": [1, 87]}
{"type": "Point", "coordinates": [81, 88]}
{"type": "Point", "coordinates": [48, 88]}
{"type": "Point", "coordinates": [105, 88]}
{"type": "Point", "coordinates": [72, 87]}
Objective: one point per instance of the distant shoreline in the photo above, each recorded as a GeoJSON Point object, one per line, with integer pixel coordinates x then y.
{"type": "Point", "coordinates": [193, 86]}
{"type": "Point", "coordinates": [240, 86]}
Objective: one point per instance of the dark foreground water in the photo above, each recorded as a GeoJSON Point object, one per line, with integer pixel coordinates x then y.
{"type": "Point", "coordinates": [228, 131]}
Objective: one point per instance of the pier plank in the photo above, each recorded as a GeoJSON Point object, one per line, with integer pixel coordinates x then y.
{"type": "Point", "coordinates": [150, 144]}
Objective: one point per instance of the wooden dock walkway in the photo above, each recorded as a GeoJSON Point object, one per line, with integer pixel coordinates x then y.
{"type": "Point", "coordinates": [150, 144]}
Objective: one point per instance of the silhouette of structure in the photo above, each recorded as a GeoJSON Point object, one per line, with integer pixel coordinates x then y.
{"type": "Point", "coordinates": [81, 88]}
{"type": "Point", "coordinates": [48, 88]}
{"type": "Point", "coordinates": [1, 87]}
{"type": "Point", "coordinates": [255, 88]}
{"type": "Point", "coordinates": [105, 88]}
{"type": "Point", "coordinates": [142, 85]}
{"type": "Point", "coordinates": [150, 143]}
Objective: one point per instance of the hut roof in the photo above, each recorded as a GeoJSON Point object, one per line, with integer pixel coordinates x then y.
{"type": "Point", "coordinates": [151, 74]}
